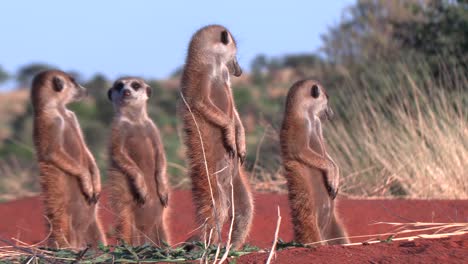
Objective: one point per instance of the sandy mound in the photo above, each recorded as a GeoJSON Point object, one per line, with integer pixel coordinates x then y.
{"type": "Point", "coordinates": [22, 219]}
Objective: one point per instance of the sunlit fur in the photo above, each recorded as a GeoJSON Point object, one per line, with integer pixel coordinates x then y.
{"type": "Point", "coordinates": [69, 177]}
{"type": "Point", "coordinates": [206, 88]}
{"type": "Point", "coordinates": [311, 174]}
{"type": "Point", "coordinates": [138, 186]}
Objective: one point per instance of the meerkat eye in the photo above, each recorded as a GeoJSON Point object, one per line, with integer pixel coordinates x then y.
{"type": "Point", "coordinates": [119, 86]}
{"type": "Point", "coordinates": [136, 85]}
{"type": "Point", "coordinates": [58, 84]}
{"type": "Point", "coordinates": [225, 37]}
{"type": "Point", "coordinates": [315, 91]}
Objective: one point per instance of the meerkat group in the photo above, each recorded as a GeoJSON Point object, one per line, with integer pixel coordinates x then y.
{"type": "Point", "coordinates": [215, 148]}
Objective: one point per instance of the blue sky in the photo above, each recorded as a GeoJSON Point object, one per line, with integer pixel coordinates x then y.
{"type": "Point", "coordinates": [150, 38]}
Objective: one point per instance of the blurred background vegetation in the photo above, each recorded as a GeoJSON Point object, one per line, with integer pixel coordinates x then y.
{"type": "Point", "coordinates": [396, 73]}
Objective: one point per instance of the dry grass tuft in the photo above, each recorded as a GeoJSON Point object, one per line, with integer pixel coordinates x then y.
{"type": "Point", "coordinates": [408, 139]}
{"type": "Point", "coordinates": [17, 180]}
{"type": "Point", "coordinates": [412, 143]}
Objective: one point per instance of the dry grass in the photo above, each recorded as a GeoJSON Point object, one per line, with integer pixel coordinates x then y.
{"type": "Point", "coordinates": [406, 232]}
{"type": "Point", "coordinates": [16, 180]}
{"type": "Point", "coordinates": [412, 144]}
{"type": "Point", "coordinates": [408, 139]}
{"type": "Point", "coordinates": [12, 104]}
{"type": "Point", "coordinates": [275, 239]}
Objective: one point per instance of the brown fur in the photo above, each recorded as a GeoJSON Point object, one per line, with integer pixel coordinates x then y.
{"type": "Point", "coordinates": [311, 173]}
{"type": "Point", "coordinates": [69, 177]}
{"type": "Point", "coordinates": [137, 173]}
{"type": "Point", "coordinates": [206, 88]}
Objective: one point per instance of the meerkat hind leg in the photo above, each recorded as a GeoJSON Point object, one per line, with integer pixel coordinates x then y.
{"type": "Point", "coordinates": [158, 235]}
{"type": "Point", "coordinates": [61, 236]}
{"type": "Point", "coordinates": [209, 221]}
{"type": "Point", "coordinates": [337, 232]}
{"type": "Point", "coordinates": [243, 215]}
{"type": "Point", "coordinates": [126, 225]}
{"type": "Point", "coordinates": [95, 234]}
{"type": "Point", "coordinates": [304, 213]}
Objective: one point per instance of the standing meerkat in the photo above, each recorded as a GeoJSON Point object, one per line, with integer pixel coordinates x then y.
{"type": "Point", "coordinates": [214, 135]}
{"type": "Point", "coordinates": [311, 173]}
{"type": "Point", "coordinates": [69, 177]}
{"type": "Point", "coordinates": [137, 173]}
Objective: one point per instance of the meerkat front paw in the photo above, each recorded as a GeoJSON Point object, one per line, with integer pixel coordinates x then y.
{"type": "Point", "coordinates": [96, 186]}
{"type": "Point", "coordinates": [163, 196]}
{"type": "Point", "coordinates": [141, 197]}
{"type": "Point", "coordinates": [141, 191]}
{"type": "Point", "coordinates": [87, 188]}
{"type": "Point", "coordinates": [241, 156]}
{"type": "Point", "coordinates": [332, 192]}
{"type": "Point", "coordinates": [241, 153]}
{"type": "Point", "coordinates": [332, 181]}
{"type": "Point", "coordinates": [241, 150]}
{"type": "Point", "coordinates": [230, 140]}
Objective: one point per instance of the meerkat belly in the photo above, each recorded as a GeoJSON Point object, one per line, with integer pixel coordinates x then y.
{"type": "Point", "coordinates": [73, 146]}
{"type": "Point", "coordinates": [221, 97]}
{"type": "Point", "coordinates": [324, 204]}
{"type": "Point", "coordinates": [140, 149]}
{"type": "Point", "coordinates": [215, 153]}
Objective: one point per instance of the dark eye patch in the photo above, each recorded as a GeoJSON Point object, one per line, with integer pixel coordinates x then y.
{"type": "Point", "coordinates": [135, 85]}
{"type": "Point", "coordinates": [59, 84]}
{"type": "Point", "coordinates": [225, 37]}
{"type": "Point", "coordinates": [119, 86]}
{"type": "Point", "coordinates": [315, 91]}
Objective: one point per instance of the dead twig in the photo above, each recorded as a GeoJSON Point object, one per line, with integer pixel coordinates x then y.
{"type": "Point", "coordinates": [275, 241]}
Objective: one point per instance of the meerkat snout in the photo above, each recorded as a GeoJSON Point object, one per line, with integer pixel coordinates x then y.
{"type": "Point", "coordinates": [81, 94]}
{"type": "Point", "coordinates": [234, 67]}
{"type": "Point", "coordinates": [329, 113]}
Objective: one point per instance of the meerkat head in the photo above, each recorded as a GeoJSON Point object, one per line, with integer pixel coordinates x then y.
{"type": "Point", "coordinates": [129, 92]}
{"type": "Point", "coordinates": [311, 97]}
{"type": "Point", "coordinates": [215, 44]}
{"type": "Point", "coordinates": [53, 88]}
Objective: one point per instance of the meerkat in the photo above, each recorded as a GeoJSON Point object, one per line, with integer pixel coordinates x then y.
{"type": "Point", "coordinates": [312, 175]}
{"type": "Point", "coordinates": [69, 176]}
{"type": "Point", "coordinates": [214, 135]}
{"type": "Point", "coordinates": [139, 190]}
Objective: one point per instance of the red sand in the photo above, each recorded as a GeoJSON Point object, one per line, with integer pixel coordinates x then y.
{"type": "Point", "coordinates": [424, 251]}
{"type": "Point", "coordinates": [22, 219]}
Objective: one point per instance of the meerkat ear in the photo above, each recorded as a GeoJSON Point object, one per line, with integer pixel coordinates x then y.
{"type": "Point", "coordinates": [148, 91]}
{"type": "Point", "coordinates": [58, 84]}
{"type": "Point", "coordinates": [315, 92]}
{"type": "Point", "coordinates": [109, 94]}
{"type": "Point", "coordinates": [225, 37]}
